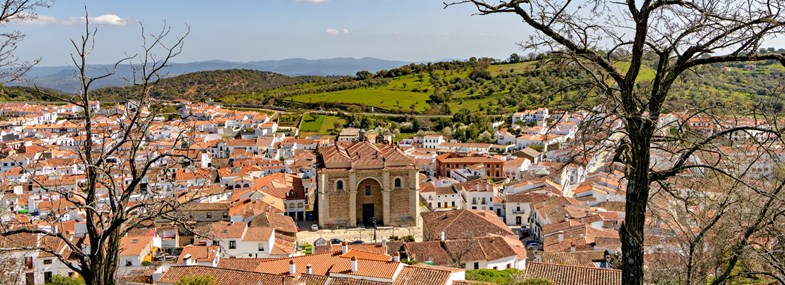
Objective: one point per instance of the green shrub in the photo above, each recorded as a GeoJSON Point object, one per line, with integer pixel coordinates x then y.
{"type": "Point", "coordinates": [493, 276]}
{"type": "Point", "coordinates": [65, 280]}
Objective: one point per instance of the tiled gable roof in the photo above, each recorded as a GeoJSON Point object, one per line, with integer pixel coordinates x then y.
{"type": "Point", "coordinates": [223, 276]}
{"type": "Point", "coordinates": [424, 275]}
{"type": "Point", "coordinates": [199, 253]}
{"type": "Point", "coordinates": [578, 258]}
{"type": "Point", "coordinates": [572, 275]}
{"type": "Point", "coordinates": [362, 155]}
{"type": "Point", "coordinates": [461, 224]}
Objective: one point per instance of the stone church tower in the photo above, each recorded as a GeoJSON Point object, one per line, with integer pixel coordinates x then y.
{"type": "Point", "coordinates": [361, 181]}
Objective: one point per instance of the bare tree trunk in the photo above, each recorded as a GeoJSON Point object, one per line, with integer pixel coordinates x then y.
{"type": "Point", "coordinates": [631, 232]}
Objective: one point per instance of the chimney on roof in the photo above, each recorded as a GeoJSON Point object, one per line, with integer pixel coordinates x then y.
{"type": "Point", "coordinates": [441, 236]}
{"type": "Point", "coordinates": [566, 217]}
{"type": "Point", "coordinates": [354, 264]}
{"type": "Point", "coordinates": [308, 269]}
{"type": "Point", "coordinates": [344, 247]}
{"type": "Point", "coordinates": [186, 259]}
{"type": "Point", "coordinates": [537, 256]}
{"type": "Point", "coordinates": [572, 247]}
{"type": "Point", "coordinates": [292, 267]}
{"type": "Point", "coordinates": [561, 236]}
{"type": "Point", "coordinates": [397, 257]}
{"type": "Point", "coordinates": [384, 242]}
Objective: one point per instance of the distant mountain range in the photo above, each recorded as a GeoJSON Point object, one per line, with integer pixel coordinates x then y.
{"type": "Point", "coordinates": [62, 78]}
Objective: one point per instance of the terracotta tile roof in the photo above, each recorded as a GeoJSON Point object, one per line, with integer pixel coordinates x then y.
{"type": "Point", "coordinates": [583, 237]}
{"type": "Point", "coordinates": [469, 282]}
{"type": "Point", "coordinates": [223, 276]}
{"type": "Point", "coordinates": [220, 230]}
{"type": "Point", "coordinates": [394, 246]}
{"type": "Point", "coordinates": [134, 245]}
{"type": "Point", "coordinates": [352, 281]}
{"type": "Point", "coordinates": [453, 158]}
{"type": "Point", "coordinates": [195, 206]}
{"type": "Point", "coordinates": [578, 258]}
{"type": "Point", "coordinates": [427, 187]}
{"type": "Point", "coordinates": [424, 275]}
{"type": "Point", "coordinates": [486, 248]}
{"type": "Point", "coordinates": [244, 264]}
{"type": "Point", "coordinates": [258, 234]}
{"type": "Point", "coordinates": [461, 224]}
{"type": "Point", "coordinates": [310, 279]}
{"type": "Point", "coordinates": [362, 155]}
{"type": "Point", "coordinates": [281, 223]}
{"type": "Point", "coordinates": [572, 275]}
{"type": "Point", "coordinates": [365, 255]}
{"type": "Point", "coordinates": [199, 253]}
{"type": "Point", "coordinates": [517, 246]}
{"type": "Point", "coordinates": [328, 263]}
{"type": "Point", "coordinates": [428, 251]}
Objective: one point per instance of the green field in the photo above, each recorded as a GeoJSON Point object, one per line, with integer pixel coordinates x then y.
{"type": "Point", "coordinates": [398, 95]}
{"type": "Point", "coordinates": [376, 97]}
{"type": "Point", "coordinates": [319, 124]}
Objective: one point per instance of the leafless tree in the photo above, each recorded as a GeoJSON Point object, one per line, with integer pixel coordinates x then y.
{"type": "Point", "coordinates": [116, 163]}
{"type": "Point", "coordinates": [11, 68]}
{"type": "Point", "coordinates": [612, 41]}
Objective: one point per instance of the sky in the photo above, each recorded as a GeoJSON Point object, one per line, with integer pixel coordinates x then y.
{"type": "Point", "coordinates": [250, 30]}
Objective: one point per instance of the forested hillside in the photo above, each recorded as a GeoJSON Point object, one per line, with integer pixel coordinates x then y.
{"type": "Point", "coordinates": [212, 84]}
{"type": "Point", "coordinates": [478, 85]}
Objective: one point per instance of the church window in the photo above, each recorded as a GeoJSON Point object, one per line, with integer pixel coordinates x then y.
{"type": "Point", "coordinates": [397, 183]}
{"type": "Point", "coordinates": [367, 190]}
{"type": "Point", "coordinates": [339, 185]}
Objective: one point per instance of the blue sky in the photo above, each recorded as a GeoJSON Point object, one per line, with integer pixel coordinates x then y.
{"type": "Point", "coordinates": [247, 30]}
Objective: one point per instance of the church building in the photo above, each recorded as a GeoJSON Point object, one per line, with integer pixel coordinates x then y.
{"type": "Point", "coordinates": [362, 183]}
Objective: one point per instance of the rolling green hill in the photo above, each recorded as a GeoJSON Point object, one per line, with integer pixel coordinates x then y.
{"type": "Point", "coordinates": [212, 84]}
{"type": "Point", "coordinates": [502, 88]}
{"type": "Point", "coordinates": [445, 87]}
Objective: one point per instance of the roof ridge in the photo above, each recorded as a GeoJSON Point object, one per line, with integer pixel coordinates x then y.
{"type": "Point", "coordinates": [577, 266]}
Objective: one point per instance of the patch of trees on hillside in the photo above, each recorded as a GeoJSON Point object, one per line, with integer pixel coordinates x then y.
{"type": "Point", "coordinates": [210, 84]}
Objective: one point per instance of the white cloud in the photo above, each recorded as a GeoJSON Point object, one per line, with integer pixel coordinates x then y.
{"type": "Point", "coordinates": [334, 31]}
{"type": "Point", "coordinates": [109, 19]}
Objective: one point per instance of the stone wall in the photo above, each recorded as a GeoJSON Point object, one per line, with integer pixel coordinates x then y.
{"type": "Point", "coordinates": [335, 206]}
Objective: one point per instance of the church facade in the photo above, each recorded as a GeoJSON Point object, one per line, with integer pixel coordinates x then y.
{"type": "Point", "coordinates": [362, 183]}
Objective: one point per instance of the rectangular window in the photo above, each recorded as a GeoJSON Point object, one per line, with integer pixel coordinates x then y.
{"type": "Point", "coordinates": [476, 265]}
{"type": "Point", "coordinates": [232, 244]}
{"type": "Point", "coordinates": [47, 261]}
{"type": "Point", "coordinates": [367, 190]}
{"type": "Point", "coordinates": [226, 214]}
{"type": "Point", "coordinates": [261, 246]}
{"type": "Point", "coordinates": [209, 215]}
